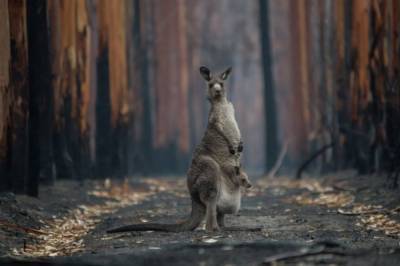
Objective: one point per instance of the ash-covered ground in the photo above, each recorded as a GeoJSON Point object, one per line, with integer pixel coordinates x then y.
{"type": "Point", "coordinates": [342, 219]}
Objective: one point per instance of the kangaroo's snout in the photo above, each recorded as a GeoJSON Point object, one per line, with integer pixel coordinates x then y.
{"type": "Point", "coordinates": [245, 182]}
{"type": "Point", "coordinates": [217, 87]}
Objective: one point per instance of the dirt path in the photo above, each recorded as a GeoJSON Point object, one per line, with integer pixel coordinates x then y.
{"type": "Point", "coordinates": [335, 219]}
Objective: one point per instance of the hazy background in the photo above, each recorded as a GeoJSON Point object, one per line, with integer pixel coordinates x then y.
{"type": "Point", "coordinates": [112, 88]}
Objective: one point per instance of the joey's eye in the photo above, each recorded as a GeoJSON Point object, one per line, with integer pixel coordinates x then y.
{"type": "Point", "coordinates": [210, 85]}
{"type": "Point", "coordinates": [221, 84]}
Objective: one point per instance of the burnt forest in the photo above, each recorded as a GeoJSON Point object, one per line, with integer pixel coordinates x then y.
{"type": "Point", "coordinates": [188, 132]}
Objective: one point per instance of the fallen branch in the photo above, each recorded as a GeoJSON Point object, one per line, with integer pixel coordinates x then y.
{"type": "Point", "coordinates": [316, 249]}
{"type": "Point", "coordinates": [351, 213]}
{"type": "Point", "coordinates": [312, 158]}
{"type": "Point", "coordinates": [293, 254]}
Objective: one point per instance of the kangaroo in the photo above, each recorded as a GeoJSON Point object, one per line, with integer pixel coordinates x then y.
{"type": "Point", "coordinates": [214, 178]}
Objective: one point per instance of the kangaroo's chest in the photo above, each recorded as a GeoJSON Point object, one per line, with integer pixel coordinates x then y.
{"type": "Point", "coordinates": [229, 123]}
{"type": "Point", "coordinates": [228, 200]}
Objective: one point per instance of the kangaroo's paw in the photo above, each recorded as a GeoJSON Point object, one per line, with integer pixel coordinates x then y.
{"type": "Point", "coordinates": [237, 170]}
{"type": "Point", "coordinates": [231, 149]}
{"type": "Point", "coordinates": [240, 147]}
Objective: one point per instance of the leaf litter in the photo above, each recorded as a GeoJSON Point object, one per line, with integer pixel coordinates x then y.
{"type": "Point", "coordinates": [63, 236]}
{"type": "Point", "coordinates": [370, 217]}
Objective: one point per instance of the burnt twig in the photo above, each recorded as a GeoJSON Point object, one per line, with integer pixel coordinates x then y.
{"type": "Point", "coordinates": [304, 165]}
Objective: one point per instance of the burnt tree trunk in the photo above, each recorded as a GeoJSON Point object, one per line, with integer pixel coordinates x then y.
{"type": "Point", "coordinates": [103, 106]}
{"type": "Point", "coordinates": [271, 138]}
{"type": "Point", "coordinates": [41, 97]}
{"type": "Point", "coordinates": [19, 86]}
{"type": "Point", "coordinates": [73, 47]}
{"type": "Point", "coordinates": [114, 113]}
{"type": "Point", "coordinates": [5, 58]}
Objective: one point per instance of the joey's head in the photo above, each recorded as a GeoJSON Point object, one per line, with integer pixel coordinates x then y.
{"type": "Point", "coordinates": [244, 180]}
{"type": "Point", "coordinates": [216, 84]}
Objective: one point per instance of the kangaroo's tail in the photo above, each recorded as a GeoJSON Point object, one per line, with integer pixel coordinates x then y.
{"type": "Point", "coordinates": [196, 217]}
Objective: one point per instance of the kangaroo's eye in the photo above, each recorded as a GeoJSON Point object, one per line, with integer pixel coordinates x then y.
{"type": "Point", "coordinates": [221, 84]}
{"type": "Point", "coordinates": [210, 85]}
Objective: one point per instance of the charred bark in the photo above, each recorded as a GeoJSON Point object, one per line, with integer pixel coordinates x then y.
{"type": "Point", "coordinates": [103, 117]}
{"type": "Point", "coordinates": [270, 111]}
{"type": "Point", "coordinates": [19, 85]}
{"type": "Point", "coordinates": [40, 99]}
{"type": "Point", "coordinates": [5, 57]}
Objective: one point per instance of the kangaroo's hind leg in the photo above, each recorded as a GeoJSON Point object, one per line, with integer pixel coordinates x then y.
{"type": "Point", "coordinates": [211, 216]}
{"type": "Point", "coordinates": [208, 195]}
{"type": "Point", "coordinates": [207, 186]}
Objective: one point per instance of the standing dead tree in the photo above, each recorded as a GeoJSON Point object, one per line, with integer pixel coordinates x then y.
{"type": "Point", "coordinates": [343, 89]}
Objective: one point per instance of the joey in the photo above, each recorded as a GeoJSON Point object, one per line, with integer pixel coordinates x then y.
{"type": "Point", "coordinates": [241, 178]}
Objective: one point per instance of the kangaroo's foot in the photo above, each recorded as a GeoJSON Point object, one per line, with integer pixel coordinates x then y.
{"type": "Point", "coordinates": [211, 217]}
{"type": "Point", "coordinates": [213, 228]}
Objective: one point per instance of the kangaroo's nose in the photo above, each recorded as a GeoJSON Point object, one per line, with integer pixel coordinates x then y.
{"type": "Point", "coordinates": [217, 87]}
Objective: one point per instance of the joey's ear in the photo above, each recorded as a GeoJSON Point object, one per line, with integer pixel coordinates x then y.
{"type": "Point", "coordinates": [226, 73]}
{"type": "Point", "coordinates": [205, 73]}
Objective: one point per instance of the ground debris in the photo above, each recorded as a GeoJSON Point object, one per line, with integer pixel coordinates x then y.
{"type": "Point", "coordinates": [308, 210]}
{"type": "Point", "coordinates": [17, 227]}
{"type": "Point", "coordinates": [375, 218]}
{"type": "Point", "coordinates": [310, 250]}
{"type": "Point", "coordinates": [316, 193]}
{"type": "Point", "coordinates": [360, 209]}
{"type": "Point", "coordinates": [372, 217]}
{"type": "Point", "coordinates": [64, 235]}
{"type": "Point", "coordinates": [381, 223]}
{"type": "Point", "coordinates": [312, 185]}
{"type": "Point", "coordinates": [330, 200]}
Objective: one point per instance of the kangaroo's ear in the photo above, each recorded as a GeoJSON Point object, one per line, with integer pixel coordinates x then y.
{"type": "Point", "coordinates": [226, 73]}
{"type": "Point", "coordinates": [205, 73]}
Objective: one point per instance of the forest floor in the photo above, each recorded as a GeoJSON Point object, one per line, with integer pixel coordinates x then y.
{"type": "Point", "coordinates": [336, 219]}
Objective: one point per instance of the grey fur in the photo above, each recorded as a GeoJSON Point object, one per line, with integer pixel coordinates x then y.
{"type": "Point", "coordinates": [214, 178]}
